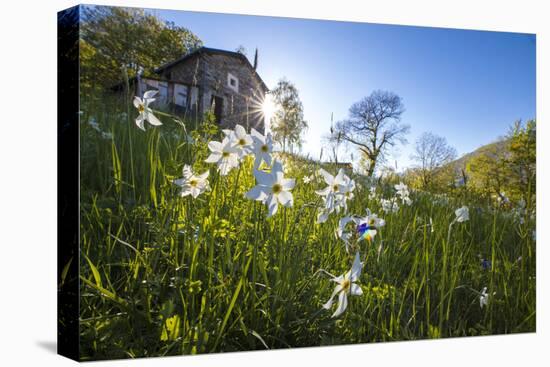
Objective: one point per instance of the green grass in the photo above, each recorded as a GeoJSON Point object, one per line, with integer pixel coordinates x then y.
{"type": "Point", "coordinates": [166, 275]}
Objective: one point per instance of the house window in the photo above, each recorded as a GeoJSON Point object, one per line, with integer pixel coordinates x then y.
{"type": "Point", "coordinates": [233, 82]}
{"type": "Point", "coordinates": [180, 95]}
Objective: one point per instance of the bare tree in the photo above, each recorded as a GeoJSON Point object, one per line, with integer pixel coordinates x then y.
{"type": "Point", "coordinates": [374, 125]}
{"type": "Point", "coordinates": [431, 152]}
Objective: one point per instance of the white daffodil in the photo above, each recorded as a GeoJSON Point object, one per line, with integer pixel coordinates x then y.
{"type": "Point", "coordinates": [367, 227]}
{"type": "Point", "coordinates": [341, 231]}
{"type": "Point", "coordinates": [462, 214]}
{"type": "Point", "coordinates": [389, 206]}
{"type": "Point", "coordinates": [484, 297]}
{"type": "Point", "coordinates": [192, 184]}
{"type": "Point", "coordinates": [262, 148]}
{"type": "Point", "coordinates": [402, 189]}
{"type": "Point", "coordinates": [345, 285]}
{"type": "Point", "coordinates": [372, 193]}
{"type": "Point", "coordinates": [240, 139]}
{"type": "Point", "coordinates": [272, 188]}
{"type": "Point", "coordinates": [145, 113]}
{"type": "Point", "coordinates": [335, 183]}
{"type": "Point", "coordinates": [225, 154]}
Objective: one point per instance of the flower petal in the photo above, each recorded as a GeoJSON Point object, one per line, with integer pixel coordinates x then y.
{"type": "Point", "coordinates": [153, 120]}
{"type": "Point", "coordinates": [150, 94]}
{"type": "Point", "coordinates": [328, 305]}
{"type": "Point", "coordinates": [285, 198]}
{"type": "Point", "coordinates": [257, 193]}
{"type": "Point", "coordinates": [139, 122]}
{"type": "Point", "coordinates": [327, 176]}
{"type": "Point", "coordinates": [272, 205]}
{"type": "Point", "coordinates": [356, 268]}
{"type": "Point", "coordinates": [213, 158]}
{"type": "Point", "coordinates": [288, 183]}
{"type": "Point", "coordinates": [215, 146]}
{"type": "Point", "coordinates": [355, 290]}
{"type": "Point", "coordinates": [342, 304]}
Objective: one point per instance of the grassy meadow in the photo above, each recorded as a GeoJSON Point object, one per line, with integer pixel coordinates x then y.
{"type": "Point", "coordinates": [163, 274]}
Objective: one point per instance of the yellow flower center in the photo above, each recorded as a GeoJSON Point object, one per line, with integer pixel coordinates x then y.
{"type": "Point", "coordinates": [277, 188]}
{"type": "Point", "coordinates": [346, 284]}
{"type": "Point", "coordinates": [265, 148]}
{"type": "Point", "coordinates": [193, 183]}
{"type": "Point", "coordinates": [141, 108]}
{"type": "Point", "coordinates": [335, 187]}
{"type": "Point", "coordinates": [225, 154]}
{"type": "Point", "coordinates": [242, 142]}
{"type": "Point", "coordinates": [372, 222]}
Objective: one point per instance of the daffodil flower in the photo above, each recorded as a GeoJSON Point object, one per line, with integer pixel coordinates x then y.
{"type": "Point", "coordinates": [484, 297]}
{"type": "Point", "coordinates": [389, 206]}
{"type": "Point", "coordinates": [341, 230]}
{"type": "Point", "coordinates": [192, 184]}
{"type": "Point", "coordinates": [145, 113]}
{"type": "Point", "coordinates": [272, 188]}
{"type": "Point", "coordinates": [225, 154]}
{"type": "Point", "coordinates": [262, 148]}
{"type": "Point", "coordinates": [462, 214]}
{"type": "Point", "coordinates": [335, 183]}
{"type": "Point", "coordinates": [345, 286]}
{"type": "Point", "coordinates": [367, 227]}
{"type": "Point", "coordinates": [240, 139]}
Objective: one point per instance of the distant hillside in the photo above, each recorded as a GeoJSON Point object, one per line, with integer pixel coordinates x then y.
{"type": "Point", "coordinates": [461, 163]}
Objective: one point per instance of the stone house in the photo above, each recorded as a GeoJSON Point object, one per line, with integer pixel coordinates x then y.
{"type": "Point", "coordinates": [224, 82]}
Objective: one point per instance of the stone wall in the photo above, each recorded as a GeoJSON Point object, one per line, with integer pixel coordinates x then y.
{"type": "Point", "coordinates": [210, 71]}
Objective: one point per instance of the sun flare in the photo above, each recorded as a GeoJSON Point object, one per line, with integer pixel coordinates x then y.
{"type": "Point", "coordinates": [268, 107]}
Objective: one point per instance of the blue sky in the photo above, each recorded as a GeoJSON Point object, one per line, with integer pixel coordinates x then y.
{"type": "Point", "coordinates": [468, 86]}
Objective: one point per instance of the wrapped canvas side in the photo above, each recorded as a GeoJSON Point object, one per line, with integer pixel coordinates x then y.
{"type": "Point", "coordinates": [68, 182]}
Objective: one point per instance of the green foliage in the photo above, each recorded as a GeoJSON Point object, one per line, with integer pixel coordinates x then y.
{"type": "Point", "coordinates": [287, 123]}
{"type": "Point", "coordinates": [507, 168]}
{"type": "Point", "coordinates": [117, 40]}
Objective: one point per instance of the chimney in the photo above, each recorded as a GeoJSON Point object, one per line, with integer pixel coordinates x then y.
{"type": "Point", "coordinates": [256, 59]}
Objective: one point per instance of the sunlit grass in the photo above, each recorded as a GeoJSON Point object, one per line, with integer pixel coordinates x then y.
{"type": "Point", "coordinates": [163, 274]}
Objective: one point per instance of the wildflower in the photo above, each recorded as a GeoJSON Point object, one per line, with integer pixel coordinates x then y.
{"type": "Point", "coordinates": [145, 113]}
{"type": "Point", "coordinates": [262, 147]}
{"type": "Point", "coordinates": [389, 206]}
{"type": "Point", "coordinates": [341, 230]}
{"type": "Point", "coordinates": [402, 189]}
{"type": "Point", "coordinates": [272, 188]}
{"type": "Point", "coordinates": [240, 139]}
{"type": "Point", "coordinates": [224, 154]}
{"type": "Point", "coordinates": [462, 214]}
{"type": "Point", "coordinates": [372, 193]}
{"type": "Point", "coordinates": [484, 297]}
{"type": "Point", "coordinates": [368, 226]}
{"type": "Point", "coordinates": [334, 183]}
{"type": "Point", "coordinates": [345, 285]}
{"type": "Point", "coordinates": [307, 179]}
{"type": "Point", "coordinates": [192, 184]}
{"type": "Point", "coordinates": [485, 264]}
{"type": "Point", "coordinates": [340, 188]}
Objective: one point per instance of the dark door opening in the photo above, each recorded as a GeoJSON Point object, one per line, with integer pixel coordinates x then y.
{"type": "Point", "coordinates": [217, 103]}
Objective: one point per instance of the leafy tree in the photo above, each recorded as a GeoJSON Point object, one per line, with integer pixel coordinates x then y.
{"type": "Point", "coordinates": [373, 126]}
{"type": "Point", "coordinates": [287, 122]}
{"type": "Point", "coordinates": [115, 39]}
{"type": "Point", "coordinates": [431, 152]}
{"type": "Point", "coordinates": [489, 170]}
{"type": "Point", "coordinates": [522, 159]}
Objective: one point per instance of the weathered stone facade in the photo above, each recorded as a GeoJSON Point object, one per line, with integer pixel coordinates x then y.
{"type": "Point", "coordinates": [222, 81]}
